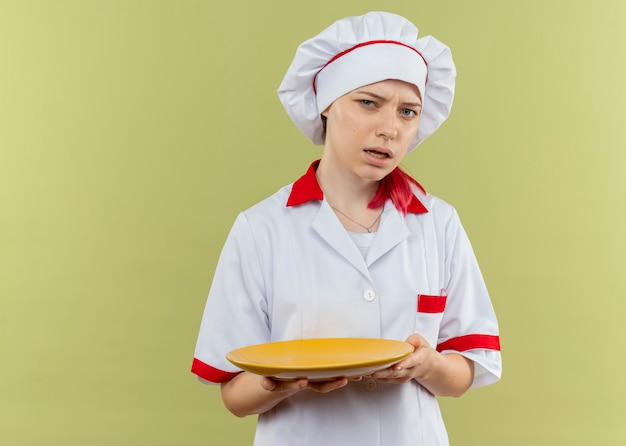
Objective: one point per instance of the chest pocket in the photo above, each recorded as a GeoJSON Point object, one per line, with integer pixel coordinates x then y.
{"type": "Point", "coordinates": [430, 310]}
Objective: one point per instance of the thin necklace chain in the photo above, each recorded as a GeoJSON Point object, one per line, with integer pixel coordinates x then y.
{"type": "Point", "coordinates": [367, 228]}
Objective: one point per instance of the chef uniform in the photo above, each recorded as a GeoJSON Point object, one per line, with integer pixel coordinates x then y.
{"type": "Point", "coordinates": [290, 270]}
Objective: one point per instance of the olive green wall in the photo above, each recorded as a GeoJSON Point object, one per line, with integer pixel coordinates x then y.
{"type": "Point", "coordinates": [132, 132]}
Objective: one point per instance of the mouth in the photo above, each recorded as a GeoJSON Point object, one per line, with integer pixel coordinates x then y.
{"type": "Point", "coordinates": [379, 153]}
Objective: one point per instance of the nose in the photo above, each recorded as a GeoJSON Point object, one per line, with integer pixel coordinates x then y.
{"type": "Point", "coordinates": [388, 125]}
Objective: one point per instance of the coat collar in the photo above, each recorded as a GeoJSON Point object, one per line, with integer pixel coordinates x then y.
{"type": "Point", "coordinates": [306, 188]}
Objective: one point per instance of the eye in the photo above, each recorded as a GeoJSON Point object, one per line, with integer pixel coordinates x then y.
{"type": "Point", "coordinates": [408, 113]}
{"type": "Point", "coordinates": [367, 103]}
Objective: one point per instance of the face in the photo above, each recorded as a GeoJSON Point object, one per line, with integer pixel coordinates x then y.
{"type": "Point", "coordinates": [368, 130]}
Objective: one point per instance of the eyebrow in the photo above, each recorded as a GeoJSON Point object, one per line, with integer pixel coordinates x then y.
{"type": "Point", "coordinates": [382, 98]}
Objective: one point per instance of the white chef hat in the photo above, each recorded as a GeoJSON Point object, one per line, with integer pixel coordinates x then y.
{"type": "Point", "coordinates": [361, 50]}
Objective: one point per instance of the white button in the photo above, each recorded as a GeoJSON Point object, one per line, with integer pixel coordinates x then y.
{"type": "Point", "coordinates": [370, 385]}
{"type": "Point", "coordinates": [369, 295]}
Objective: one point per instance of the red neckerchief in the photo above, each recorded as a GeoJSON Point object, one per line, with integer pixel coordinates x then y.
{"type": "Point", "coordinates": [306, 188]}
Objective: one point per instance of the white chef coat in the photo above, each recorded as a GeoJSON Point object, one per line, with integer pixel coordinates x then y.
{"type": "Point", "coordinates": [289, 270]}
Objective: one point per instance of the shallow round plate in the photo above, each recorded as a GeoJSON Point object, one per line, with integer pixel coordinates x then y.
{"type": "Point", "coordinates": [320, 359]}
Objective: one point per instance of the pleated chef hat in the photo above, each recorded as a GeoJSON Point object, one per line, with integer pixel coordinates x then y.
{"type": "Point", "coordinates": [361, 50]}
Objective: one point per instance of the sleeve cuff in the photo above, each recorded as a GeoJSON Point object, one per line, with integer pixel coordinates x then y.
{"type": "Point", "coordinates": [209, 373]}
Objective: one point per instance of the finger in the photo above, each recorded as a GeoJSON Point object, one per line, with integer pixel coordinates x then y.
{"type": "Point", "coordinates": [386, 374]}
{"type": "Point", "coordinates": [273, 385]}
{"type": "Point", "coordinates": [401, 365]}
{"type": "Point", "coordinates": [291, 386]}
{"type": "Point", "coordinates": [393, 377]}
{"type": "Point", "coordinates": [268, 383]}
{"type": "Point", "coordinates": [399, 372]}
{"type": "Point", "coordinates": [397, 367]}
{"type": "Point", "coordinates": [416, 341]}
{"type": "Point", "coordinates": [327, 386]}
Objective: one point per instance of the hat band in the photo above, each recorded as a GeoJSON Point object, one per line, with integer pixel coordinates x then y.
{"type": "Point", "coordinates": [365, 64]}
{"type": "Point", "coordinates": [361, 45]}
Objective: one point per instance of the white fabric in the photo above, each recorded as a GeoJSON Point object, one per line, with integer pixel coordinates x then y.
{"type": "Point", "coordinates": [362, 241]}
{"type": "Point", "coordinates": [294, 272]}
{"type": "Point", "coordinates": [367, 65]}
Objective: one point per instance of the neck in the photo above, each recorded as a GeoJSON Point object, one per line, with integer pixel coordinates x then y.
{"type": "Point", "coordinates": [349, 196]}
{"type": "Point", "coordinates": [343, 189]}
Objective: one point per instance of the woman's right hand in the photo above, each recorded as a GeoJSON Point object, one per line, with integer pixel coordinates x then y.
{"type": "Point", "coordinates": [301, 384]}
{"type": "Point", "coordinates": [249, 394]}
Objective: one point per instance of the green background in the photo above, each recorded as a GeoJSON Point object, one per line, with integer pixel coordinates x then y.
{"type": "Point", "coordinates": [133, 131]}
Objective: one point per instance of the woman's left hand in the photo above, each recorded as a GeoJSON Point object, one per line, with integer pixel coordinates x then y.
{"type": "Point", "coordinates": [415, 365]}
{"type": "Point", "coordinates": [443, 375]}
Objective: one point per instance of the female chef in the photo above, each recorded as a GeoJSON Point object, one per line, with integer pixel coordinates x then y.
{"type": "Point", "coordinates": [355, 248]}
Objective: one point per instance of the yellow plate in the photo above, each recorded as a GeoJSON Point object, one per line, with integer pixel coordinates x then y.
{"type": "Point", "coordinates": [320, 359]}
